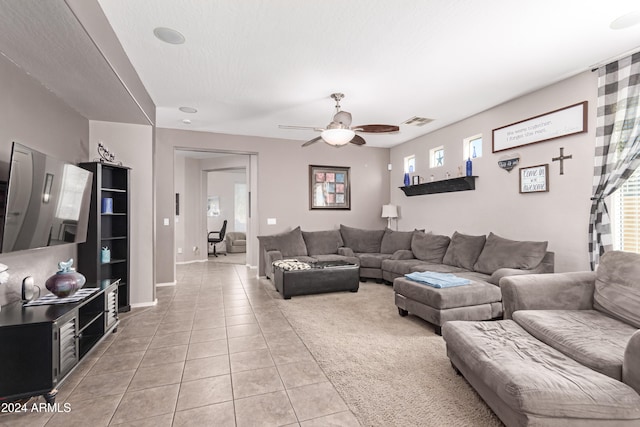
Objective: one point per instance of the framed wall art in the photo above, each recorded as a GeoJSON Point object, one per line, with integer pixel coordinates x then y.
{"type": "Point", "coordinates": [329, 187]}
{"type": "Point", "coordinates": [534, 179]}
{"type": "Point", "coordinates": [555, 124]}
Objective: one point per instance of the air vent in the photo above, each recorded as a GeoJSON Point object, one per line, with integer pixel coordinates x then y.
{"type": "Point", "coordinates": [417, 121]}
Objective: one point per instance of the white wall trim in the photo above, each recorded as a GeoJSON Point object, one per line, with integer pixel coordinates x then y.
{"type": "Point", "coordinates": [191, 262]}
{"type": "Point", "coordinates": [145, 304]}
{"type": "Point", "coordinates": [161, 285]}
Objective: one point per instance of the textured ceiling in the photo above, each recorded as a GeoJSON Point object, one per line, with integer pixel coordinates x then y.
{"type": "Point", "coordinates": [46, 40]}
{"type": "Point", "coordinates": [250, 65]}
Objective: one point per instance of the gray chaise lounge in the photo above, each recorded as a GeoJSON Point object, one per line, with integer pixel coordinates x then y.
{"type": "Point", "coordinates": [568, 353]}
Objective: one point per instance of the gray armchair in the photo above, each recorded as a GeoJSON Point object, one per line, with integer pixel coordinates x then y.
{"type": "Point", "coordinates": [236, 242]}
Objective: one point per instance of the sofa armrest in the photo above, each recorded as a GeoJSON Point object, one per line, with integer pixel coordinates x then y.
{"type": "Point", "coordinates": [269, 258]}
{"type": "Point", "coordinates": [631, 363]}
{"type": "Point", "coordinates": [346, 252]}
{"type": "Point", "coordinates": [557, 291]}
{"type": "Point", "coordinates": [402, 254]}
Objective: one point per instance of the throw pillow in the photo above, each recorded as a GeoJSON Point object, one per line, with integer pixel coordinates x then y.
{"type": "Point", "coordinates": [499, 252]}
{"type": "Point", "coordinates": [617, 291]}
{"type": "Point", "coordinates": [289, 243]}
{"type": "Point", "coordinates": [393, 241]}
{"type": "Point", "coordinates": [362, 241]}
{"type": "Point", "coordinates": [463, 251]}
{"type": "Point", "coordinates": [429, 247]}
{"type": "Point", "coordinates": [322, 242]}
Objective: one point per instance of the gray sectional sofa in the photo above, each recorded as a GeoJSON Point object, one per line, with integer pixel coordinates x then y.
{"type": "Point", "coordinates": [387, 255]}
{"type": "Point", "coordinates": [567, 353]}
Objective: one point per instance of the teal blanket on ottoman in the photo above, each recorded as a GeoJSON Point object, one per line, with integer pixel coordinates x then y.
{"type": "Point", "coordinates": [437, 280]}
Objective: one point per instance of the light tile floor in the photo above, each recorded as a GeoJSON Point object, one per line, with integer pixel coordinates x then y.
{"type": "Point", "coordinates": [214, 351]}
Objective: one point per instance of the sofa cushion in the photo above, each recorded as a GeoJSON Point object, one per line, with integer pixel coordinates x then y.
{"type": "Point", "coordinates": [587, 336]}
{"type": "Point", "coordinates": [372, 260]}
{"type": "Point", "coordinates": [289, 243]}
{"type": "Point", "coordinates": [429, 247]}
{"type": "Point", "coordinates": [322, 242]}
{"type": "Point", "coordinates": [534, 379]}
{"type": "Point", "coordinates": [499, 253]}
{"type": "Point", "coordinates": [463, 251]}
{"type": "Point", "coordinates": [336, 257]}
{"type": "Point", "coordinates": [363, 241]}
{"type": "Point", "coordinates": [407, 266]}
{"type": "Point", "coordinates": [617, 291]}
{"type": "Point", "coordinates": [395, 240]}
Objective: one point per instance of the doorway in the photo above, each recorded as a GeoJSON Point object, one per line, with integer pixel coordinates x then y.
{"type": "Point", "coordinates": [227, 208]}
{"type": "Point", "coordinates": [212, 187]}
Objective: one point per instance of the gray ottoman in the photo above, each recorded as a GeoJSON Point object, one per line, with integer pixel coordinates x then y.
{"type": "Point", "coordinates": [476, 301]}
{"type": "Point", "coordinates": [528, 383]}
{"type": "Point", "coordinates": [323, 276]}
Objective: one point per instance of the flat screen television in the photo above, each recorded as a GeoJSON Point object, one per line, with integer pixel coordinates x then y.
{"type": "Point", "coordinates": [47, 201]}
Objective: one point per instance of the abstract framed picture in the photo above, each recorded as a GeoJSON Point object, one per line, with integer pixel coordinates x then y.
{"type": "Point", "coordinates": [329, 187]}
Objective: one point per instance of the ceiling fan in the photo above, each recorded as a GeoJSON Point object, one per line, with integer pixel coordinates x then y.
{"type": "Point", "coordinates": [339, 132]}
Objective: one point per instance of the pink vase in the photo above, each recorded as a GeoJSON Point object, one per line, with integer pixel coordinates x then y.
{"type": "Point", "coordinates": [66, 281]}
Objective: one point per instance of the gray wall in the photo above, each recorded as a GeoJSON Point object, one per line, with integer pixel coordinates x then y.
{"type": "Point", "coordinates": [32, 115]}
{"type": "Point", "coordinates": [133, 146]}
{"type": "Point", "coordinates": [559, 216]}
{"type": "Point", "coordinates": [283, 191]}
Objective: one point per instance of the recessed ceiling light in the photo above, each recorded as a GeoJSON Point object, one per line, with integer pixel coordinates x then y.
{"type": "Point", "coordinates": [189, 110]}
{"type": "Point", "coordinates": [186, 121]}
{"type": "Point", "coordinates": [168, 35]}
{"type": "Point", "coordinates": [625, 21]}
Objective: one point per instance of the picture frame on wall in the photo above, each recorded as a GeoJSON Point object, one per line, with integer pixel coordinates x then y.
{"type": "Point", "coordinates": [559, 123]}
{"type": "Point", "coordinates": [534, 179]}
{"type": "Point", "coordinates": [329, 187]}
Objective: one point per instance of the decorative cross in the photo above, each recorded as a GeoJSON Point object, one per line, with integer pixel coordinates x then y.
{"type": "Point", "coordinates": [562, 158]}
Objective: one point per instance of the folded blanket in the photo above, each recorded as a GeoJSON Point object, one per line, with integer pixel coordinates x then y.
{"type": "Point", "coordinates": [437, 280]}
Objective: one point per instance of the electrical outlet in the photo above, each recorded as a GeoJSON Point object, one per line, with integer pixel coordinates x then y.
{"type": "Point", "coordinates": [179, 250]}
{"type": "Point", "coordinates": [195, 249]}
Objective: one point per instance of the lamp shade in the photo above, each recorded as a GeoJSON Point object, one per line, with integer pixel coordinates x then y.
{"type": "Point", "coordinates": [389, 211]}
{"type": "Point", "coordinates": [337, 136]}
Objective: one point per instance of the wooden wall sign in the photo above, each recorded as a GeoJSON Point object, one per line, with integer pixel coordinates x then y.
{"type": "Point", "coordinates": [534, 179]}
{"type": "Point", "coordinates": [555, 124]}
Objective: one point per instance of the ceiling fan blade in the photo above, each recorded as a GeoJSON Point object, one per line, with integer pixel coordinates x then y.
{"type": "Point", "coordinates": [301, 127]}
{"type": "Point", "coordinates": [377, 128]}
{"type": "Point", "coordinates": [358, 140]}
{"type": "Point", "coordinates": [312, 141]}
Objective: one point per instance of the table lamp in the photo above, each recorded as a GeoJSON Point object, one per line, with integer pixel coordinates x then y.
{"type": "Point", "coordinates": [390, 211]}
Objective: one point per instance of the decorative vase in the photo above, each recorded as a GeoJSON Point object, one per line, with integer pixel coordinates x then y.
{"type": "Point", "coordinates": [407, 180]}
{"type": "Point", "coordinates": [66, 281]}
{"type": "Point", "coordinates": [469, 167]}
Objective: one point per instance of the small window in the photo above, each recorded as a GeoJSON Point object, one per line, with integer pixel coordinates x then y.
{"type": "Point", "coordinates": [472, 147]}
{"type": "Point", "coordinates": [410, 164]}
{"type": "Point", "coordinates": [436, 156]}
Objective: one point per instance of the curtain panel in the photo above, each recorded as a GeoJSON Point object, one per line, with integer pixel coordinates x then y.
{"type": "Point", "coordinates": [617, 153]}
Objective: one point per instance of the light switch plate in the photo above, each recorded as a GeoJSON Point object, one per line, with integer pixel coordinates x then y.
{"type": "Point", "coordinates": [166, 221]}
{"type": "Point", "coordinates": [271, 221]}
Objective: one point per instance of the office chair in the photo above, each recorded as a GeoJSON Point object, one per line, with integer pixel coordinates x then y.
{"type": "Point", "coordinates": [219, 239]}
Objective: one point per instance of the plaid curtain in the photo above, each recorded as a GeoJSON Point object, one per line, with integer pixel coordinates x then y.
{"type": "Point", "coordinates": [617, 152]}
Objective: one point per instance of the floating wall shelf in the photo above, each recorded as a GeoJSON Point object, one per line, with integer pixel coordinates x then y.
{"type": "Point", "coordinates": [463, 183]}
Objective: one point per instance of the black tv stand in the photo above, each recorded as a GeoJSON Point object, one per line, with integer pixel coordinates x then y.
{"type": "Point", "coordinates": [41, 345]}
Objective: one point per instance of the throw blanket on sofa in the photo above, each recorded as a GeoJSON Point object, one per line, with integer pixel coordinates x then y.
{"type": "Point", "coordinates": [291, 264]}
{"type": "Point", "coordinates": [437, 280]}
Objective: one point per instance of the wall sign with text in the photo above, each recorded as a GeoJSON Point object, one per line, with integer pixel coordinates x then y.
{"type": "Point", "coordinates": [556, 124]}
{"type": "Point", "coordinates": [534, 179]}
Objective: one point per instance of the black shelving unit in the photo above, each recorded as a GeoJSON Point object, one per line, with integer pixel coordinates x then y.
{"type": "Point", "coordinates": [108, 229]}
{"type": "Point", "coordinates": [41, 345]}
{"type": "Point", "coordinates": [463, 183]}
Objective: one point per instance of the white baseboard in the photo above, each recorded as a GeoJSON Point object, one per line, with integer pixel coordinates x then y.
{"type": "Point", "coordinates": [160, 285]}
{"type": "Point", "coordinates": [145, 304]}
{"type": "Point", "coordinates": [191, 262]}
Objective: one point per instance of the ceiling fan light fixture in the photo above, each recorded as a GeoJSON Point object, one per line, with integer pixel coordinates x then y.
{"type": "Point", "coordinates": [337, 137]}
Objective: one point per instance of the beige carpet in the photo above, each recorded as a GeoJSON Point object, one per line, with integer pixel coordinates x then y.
{"type": "Point", "coordinates": [391, 370]}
